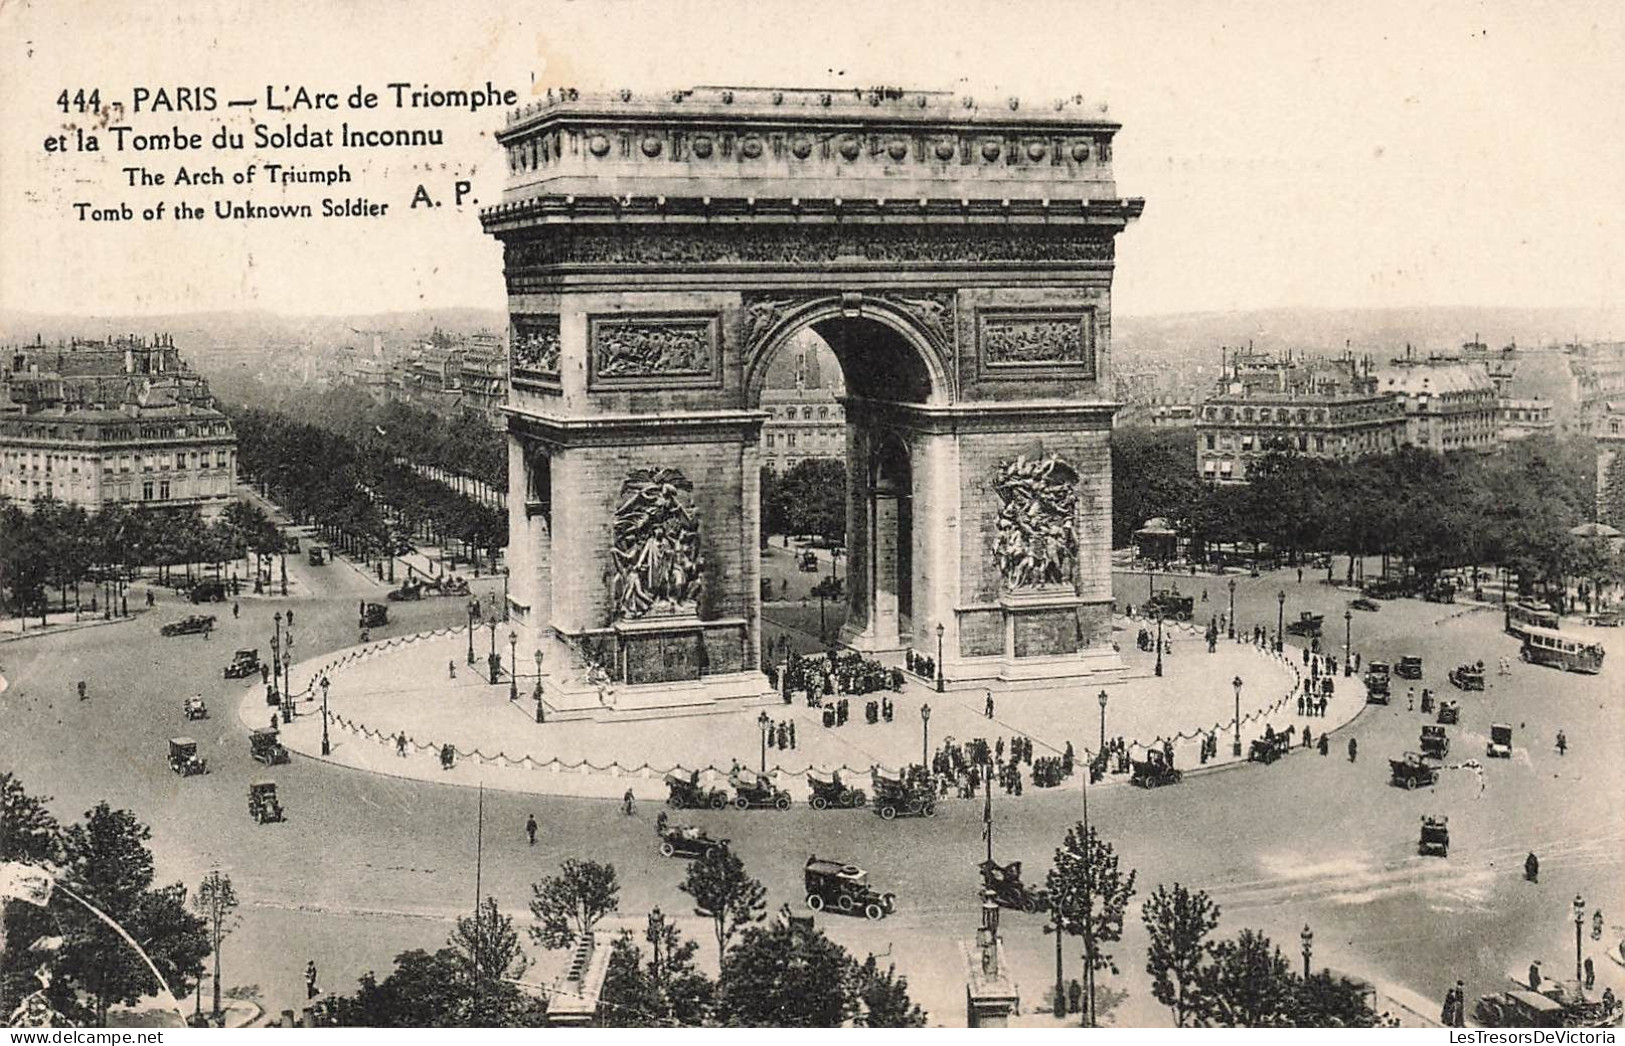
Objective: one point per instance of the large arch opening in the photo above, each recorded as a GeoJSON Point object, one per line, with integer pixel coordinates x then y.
{"type": "Point", "coordinates": [839, 479]}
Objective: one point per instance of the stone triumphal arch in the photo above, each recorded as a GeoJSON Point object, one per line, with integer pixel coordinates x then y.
{"type": "Point", "coordinates": [957, 260]}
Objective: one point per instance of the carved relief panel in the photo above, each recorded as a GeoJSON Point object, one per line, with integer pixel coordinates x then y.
{"type": "Point", "coordinates": [1030, 343]}
{"type": "Point", "coordinates": [654, 352]}
{"type": "Point", "coordinates": [1036, 542]}
{"type": "Point", "coordinates": [535, 346]}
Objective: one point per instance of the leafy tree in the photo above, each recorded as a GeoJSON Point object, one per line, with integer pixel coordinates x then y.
{"type": "Point", "coordinates": [216, 900]}
{"type": "Point", "coordinates": [883, 1000]}
{"type": "Point", "coordinates": [1248, 984]}
{"type": "Point", "coordinates": [668, 991]}
{"type": "Point", "coordinates": [724, 893]}
{"type": "Point", "coordinates": [785, 977]}
{"type": "Point", "coordinates": [107, 862]}
{"type": "Point", "coordinates": [1327, 1001]}
{"type": "Point", "coordinates": [1090, 895]}
{"type": "Point", "coordinates": [813, 498]}
{"type": "Point", "coordinates": [1178, 922]}
{"type": "Point", "coordinates": [31, 835]}
{"type": "Point", "coordinates": [568, 904]}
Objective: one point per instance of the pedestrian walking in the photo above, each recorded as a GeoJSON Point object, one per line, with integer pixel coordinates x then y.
{"type": "Point", "coordinates": [275, 723]}
{"type": "Point", "coordinates": [1354, 749]}
{"type": "Point", "coordinates": [451, 669]}
{"type": "Point", "coordinates": [400, 744]}
{"type": "Point", "coordinates": [626, 803]}
{"type": "Point", "coordinates": [1324, 747]}
{"type": "Point", "coordinates": [235, 610]}
{"type": "Point", "coordinates": [81, 690]}
{"type": "Point", "coordinates": [1596, 925]}
{"type": "Point", "coordinates": [1562, 743]}
{"type": "Point", "coordinates": [530, 829]}
{"type": "Point", "coordinates": [792, 734]}
{"type": "Point", "coordinates": [1531, 871]}
{"type": "Point", "coordinates": [1591, 974]}
{"type": "Point", "coordinates": [990, 704]}
{"type": "Point", "coordinates": [311, 991]}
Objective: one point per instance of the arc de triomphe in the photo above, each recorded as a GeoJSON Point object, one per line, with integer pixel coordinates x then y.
{"type": "Point", "coordinates": [958, 261]}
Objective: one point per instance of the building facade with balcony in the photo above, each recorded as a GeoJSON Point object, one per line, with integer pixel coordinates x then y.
{"type": "Point", "coordinates": [1449, 404]}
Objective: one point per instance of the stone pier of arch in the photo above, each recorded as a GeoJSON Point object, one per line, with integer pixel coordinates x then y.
{"type": "Point", "coordinates": [658, 251]}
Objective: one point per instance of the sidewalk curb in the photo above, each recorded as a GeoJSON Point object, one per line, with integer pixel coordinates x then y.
{"type": "Point", "coordinates": [71, 626]}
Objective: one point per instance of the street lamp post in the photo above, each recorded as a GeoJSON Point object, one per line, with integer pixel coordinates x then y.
{"type": "Point", "coordinates": [763, 723]}
{"type": "Point", "coordinates": [1348, 643]}
{"type": "Point", "coordinates": [327, 748]}
{"type": "Point", "coordinates": [1054, 926]}
{"type": "Point", "coordinates": [492, 662]}
{"type": "Point", "coordinates": [1159, 644]}
{"type": "Point", "coordinates": [473, 612]}
{"type": "Point", "coordinates": [504, 593]}
{"type": "Point", "coordinates": [1579, 920]}
{"type": "Point", "coordinates": [1280, 621]}
{"type": "Point", "coordinates": [541, 716]}
{"type": "Point", "coordinates": [925, 735]}
{"type": "Point", "coordinates": [513, 665]}
{"type": "Point", "coordinates": [1102, 700]}
{"type": "Point", "coordinates": [1308, 939]}
{"type": "Point", "coordinates": [1235, 746]}
{"type": "Point", "coordinates": [940, 631]}
{"type": "Point", "coordinates": [1232, 629]}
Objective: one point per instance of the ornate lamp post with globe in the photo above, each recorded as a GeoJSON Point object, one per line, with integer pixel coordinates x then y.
{"type": "Point", "coordinates": [925, 735]}
{"type": "Point", "coordinates": [764, 724]}
{"type": "Point", "coordinates": [1231, 630]}
{"type": "Point", "coordinates": [1235, 746]}
{"type": "Point", "coordinates": [1348, 643]}
{"type": "Point", "coordinates": [327, 748]}
{"type": "Point", "coordinates": [541, 715]}
{"type": "Point", "coordinates": [1579, 920]}
{"type": "Point", "coordinates": [1280, 621]}
{"type": "Point", "coordinates": [513, 666]}
{"type": "Point", "coordinates": [1308, 939]}
{"type": "Point", "coordinates": [1102, 700]}
{"type": "Point", "coordinates": [940, 631]}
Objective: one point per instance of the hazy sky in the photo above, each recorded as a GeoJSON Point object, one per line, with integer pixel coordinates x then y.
{"type": "Point", "coordinates": [1290, 155]}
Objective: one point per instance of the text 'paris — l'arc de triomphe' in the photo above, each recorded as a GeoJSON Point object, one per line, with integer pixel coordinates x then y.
{"type": "Point", "coordinates": [957, 259]}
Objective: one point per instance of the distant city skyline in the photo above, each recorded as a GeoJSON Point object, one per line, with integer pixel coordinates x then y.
{"type": "Point", "coordinates": [1290, 156]}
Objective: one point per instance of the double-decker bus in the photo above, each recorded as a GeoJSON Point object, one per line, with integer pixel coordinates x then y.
{"type": "Point", "coordinates": [1523, 616]}
{"type": "Point", "coordinates": [1546, 646]}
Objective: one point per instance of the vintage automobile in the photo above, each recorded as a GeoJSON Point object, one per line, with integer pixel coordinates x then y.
{"type": "Point", "coordinates": [1500, 743]}
{"type": "Point", "coordinates": [1004, 881]}
{"type": "Point", "coordinates": [1410, 772]}
{"type": "Point", "coordinates": [409, 590]}
{"type": "Point", "coordinates": [807, 562]}
{"type": "Point", "coordinates": [266, 747]}
{"type": "Point", "coordinates": [1604, 619]}
{"type": "Point", "coordinates": [1441, 591]}
{"type": "Point", "coordinates": [374, 615]}
{"type": "Point", "coordinates": [1387, 588]}
{"type": "Point", "coordinates": [1363, 603]}
{"type": "Point", "coordinates": [290, 542]}
{"type": "Point", "coordinates": [1468, 677]}
{"type": "Point", "coordinates": [1409, 668]}
{"type": "Point", "coordinates": [898, 796]}
{"type": "Point", "coordinates": [208, 592]}
{"type": "Point", "coordinates": [183, 757]}
{"type": "Point", "coordinates": [829, 790]}
{"type": "Point", "coordinates": [844, 888]}
{"type": "Point", "coordinates": [1519, 1008]}
{"type": "Point", "coordinates": [1169, 603]}
{"type": "Point", "coordinates": [189, 626]}
{"type": "Point", "coordinates": [1435, 838]}
{"type": "Point", "coordinates": [754, 791]}
{"type": "Point", "coordinates": [244, 663]}
{"type": "Point", "coordinates": [447, 586]}
{"type": "Point", "coordinates": [1307, 624]}
{"type": "Point", "coordinates": [1267, 750]}
{"type": "Point", "coordinates": [263, 805]}
{"type": "Point", "coordinates": [1449, 712]}
{"type": "Point", "coordinates": [1154, 770]}
{"type": "Point", "coordinates": [684, 840]}
{"type": "Point", "coordinates": [194, 708]}
{"type": "Point", "coordinates": [1434, 742]}
{"type": "Point", "coordinates": [1376, 683]}
{"type": "Point", "coordinates": [686, 792]}
{"type": "Point", "coordinates": [318, 555]}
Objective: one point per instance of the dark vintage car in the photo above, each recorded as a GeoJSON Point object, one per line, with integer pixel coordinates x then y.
{"type": "Point", "coordinates": [191, 625]}
{"type": "Point", "coordinates": [1499, 745]}
{"type": "Point", "coordinates": [1154, 770]}
{"type": "Point", "coordinates": [754, 791]}
{"type": "Point", "coordinates": [807, 562]}
{"type": "Point", "coordinates": [1411, 772]}
{"type": "Point", "coordinates": [1268, 749]}
{"type": "Point", "coordinates": [374, 615]}
{"type": "Point", "coordinates": [1435, 742]}
{"type": "Point", "coordinates": [1308, 624]}
{"type": "Point", "coordinates": [208, 592]}
{"type": "Point", "coordinates": [1366, 604]}
{"type": "Point", "coordinates": [266, 747]}
{"type": "Point", "coordinates": [318, 555]}
{"type": "Point", "coordinates": [901, 795]}
{"type": "Point", "coordinates": [409, 591]}
{"type": "Point", "coordinates": [1435, 838]}
{"type": "Point", "coordinates": [290, 542]}
{"type": "Point", "coordinates": [684, 840]}
{"type": "Point", "coordinates": [838, 886]}
{"type": "Point", "coordinates": [183, 757]}
{"type": "Point", "coordinates": [829, 790]}
{"type": "Point", "coordinates": [1376, 683]}
{"type": "Point", "coordinates": [194, 708]}
{"type": "Point", "coordinates": [447, 586]}
{"type": "Point", "coordinates": [1519, 1008]}
{"type": "Point", "coordinates": [1387, 588]}
{"type": "Point", "coordinates": [1449, 712]}
{"type": "Point", "coordinates": [1004, 881]}
{"type": "Point", "coordinates": [686, 792]}
{"type": "Point", "coordinates": [1169, 603]}
{"type": "Point", "coordinates": [1467, 677]}
{"type": "Point", "coordinates": [244, 663]}
{"type": "Point", "coordinates": [1409, 668]}
{"type": "Point", "coordinates": [263, 805]}
{"type": "Point", "coordinates": [1604, 619]}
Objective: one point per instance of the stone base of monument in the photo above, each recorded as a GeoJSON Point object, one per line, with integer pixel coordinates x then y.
{"type": "Point", "coordinates": [670, 665]}
{"type": "Point", "coordinates": [1037, 637]}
